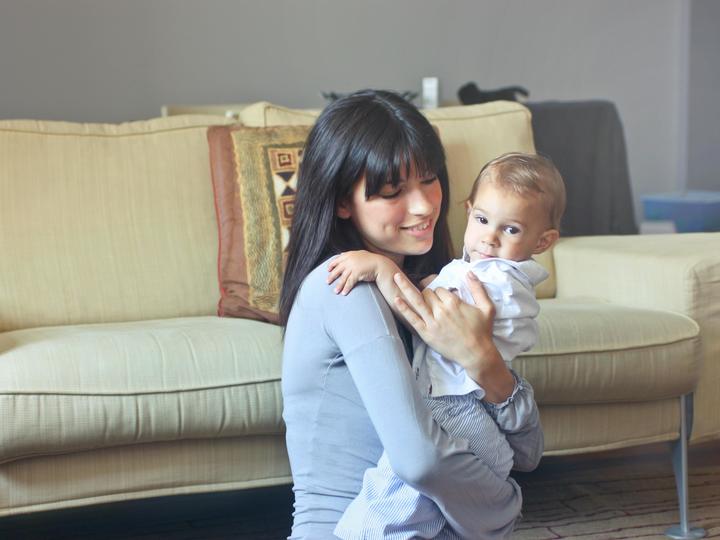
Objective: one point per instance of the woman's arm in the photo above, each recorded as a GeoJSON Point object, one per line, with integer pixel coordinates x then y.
{"type": "Point", "coordinates": [477, 503]}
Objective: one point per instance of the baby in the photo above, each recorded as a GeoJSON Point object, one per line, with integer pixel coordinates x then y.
{"type": "Point", "coordinates": [514, 212]}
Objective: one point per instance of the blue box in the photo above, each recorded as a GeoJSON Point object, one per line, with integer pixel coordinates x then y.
{"type": "Point", "coordinates": [692, 211]}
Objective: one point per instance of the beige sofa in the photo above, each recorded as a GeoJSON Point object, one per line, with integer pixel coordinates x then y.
{"type": "Point", "coordinates": [117, 380]}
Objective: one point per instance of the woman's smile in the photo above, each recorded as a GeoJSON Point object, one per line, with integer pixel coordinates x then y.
{"type": "Point", "coordinates": [420, 230]}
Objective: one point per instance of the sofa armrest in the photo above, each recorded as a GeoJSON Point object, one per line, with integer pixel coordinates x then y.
{"type": "Point", "coordinates": [675, 272]}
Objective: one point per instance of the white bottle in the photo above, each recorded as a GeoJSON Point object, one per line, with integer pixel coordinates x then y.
{"type": "Point", "coordinates": [430, 92]}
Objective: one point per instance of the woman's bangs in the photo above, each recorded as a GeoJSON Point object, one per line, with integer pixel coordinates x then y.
{"type": "Point", "coordinates": [391, 160]}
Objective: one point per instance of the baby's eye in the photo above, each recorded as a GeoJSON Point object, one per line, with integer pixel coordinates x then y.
{"type": "Point", "coordinates": [512, 230]}
{"type": "Point", "coordinates": [481, 219]}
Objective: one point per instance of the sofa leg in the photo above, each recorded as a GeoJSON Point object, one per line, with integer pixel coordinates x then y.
{"type": "Point", "coordinates": [683, 531]}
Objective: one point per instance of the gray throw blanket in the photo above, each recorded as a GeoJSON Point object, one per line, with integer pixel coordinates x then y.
{"type": "Point", "coordinates": [585, 141]}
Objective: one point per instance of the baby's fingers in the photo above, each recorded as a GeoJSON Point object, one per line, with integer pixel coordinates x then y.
{"type": "Point", "coordinates": [345, 281]}
{"type": "Point", "coordinates": [349, 282]}
{"type": "Point", "coordinates": [335, 270]}
{"type": "Point", "coordinates": [339, 281]}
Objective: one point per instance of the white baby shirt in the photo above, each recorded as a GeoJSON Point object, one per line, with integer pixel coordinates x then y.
{"type": "Point", "coordinates": [511, 287]}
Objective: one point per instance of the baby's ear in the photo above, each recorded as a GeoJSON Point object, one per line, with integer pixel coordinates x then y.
{"type": "Point", "coordinates": [546, 241]}
{"type": "Point", "coordinates": [468, 207]}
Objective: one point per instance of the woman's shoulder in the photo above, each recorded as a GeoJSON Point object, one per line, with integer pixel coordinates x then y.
{"type": "Point", "coordinates": [316, 281]}
{"type": "Point", "coordinates": [316, 291]}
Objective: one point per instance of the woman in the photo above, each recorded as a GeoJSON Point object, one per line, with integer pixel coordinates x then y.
{"type": "Point", "coordinates": [373, 177]}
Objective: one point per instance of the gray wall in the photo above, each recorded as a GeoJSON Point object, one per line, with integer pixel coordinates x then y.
{"type": "Point", "coordinates": [118, 60]}
{"type": "Point", "coordinates": [704, 96]}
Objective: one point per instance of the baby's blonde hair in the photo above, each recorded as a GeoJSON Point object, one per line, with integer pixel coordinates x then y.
{"type": "Point", "coordinates": [526, 174]}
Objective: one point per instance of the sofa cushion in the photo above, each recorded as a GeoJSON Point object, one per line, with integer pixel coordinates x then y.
{"type": "Point", "coordinates": [254, 175]}
{"type": "Point", "coordinates": [105, 222]}
{"type": "Point", "coordinates": [264, 114]}
{"type": "Point", "coordinates": [595, 352]}
{"type": "Point", "coordinates": [471, 135]}
{"type": "Point", "coordinates": [64, 389]}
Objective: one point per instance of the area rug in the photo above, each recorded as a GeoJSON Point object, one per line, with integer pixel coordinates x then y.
{"type": "Point", "coordinates": [613, 507]}
{"type": "Point", "coordinates": [593, 502]}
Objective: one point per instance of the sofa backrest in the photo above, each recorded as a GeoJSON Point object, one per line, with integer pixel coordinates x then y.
{"type": "Point", "coordinates": [104, 223]}
{"type": "Point", "coordinates": [471, 135]}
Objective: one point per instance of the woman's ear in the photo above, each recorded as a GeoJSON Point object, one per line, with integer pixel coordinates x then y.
{"type": "Point", "coordinates": [343, 209]}
{"type": "Point", "coordinates": [546, 241]}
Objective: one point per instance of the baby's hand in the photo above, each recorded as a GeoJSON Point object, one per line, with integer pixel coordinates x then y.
{"type": "Point", "coordinates": [348, 268]}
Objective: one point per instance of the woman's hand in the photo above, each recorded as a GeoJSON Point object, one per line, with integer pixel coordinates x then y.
{"type": "Point", "coordinates": [458, 331]}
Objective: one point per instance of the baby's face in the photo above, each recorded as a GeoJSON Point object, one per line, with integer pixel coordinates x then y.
{"type": "Point", "coordinates": [504, 224]}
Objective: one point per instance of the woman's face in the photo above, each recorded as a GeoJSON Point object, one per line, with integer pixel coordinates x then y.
{"type": "Point", "coordinates": [397, 221]}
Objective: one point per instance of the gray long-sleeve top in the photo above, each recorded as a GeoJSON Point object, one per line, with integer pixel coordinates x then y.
{"type": "Point", "coordinates": [349, 392]}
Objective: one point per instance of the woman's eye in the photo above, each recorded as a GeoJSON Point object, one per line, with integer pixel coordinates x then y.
{"type": "Point", "coordinates": [430, 180]}
{"type": "Point", "coordinates": [390, 193]}
{"type": "Point", "coordinates": [512, 230]}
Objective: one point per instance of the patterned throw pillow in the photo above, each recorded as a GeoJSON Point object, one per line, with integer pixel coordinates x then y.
{"type": "Point", "coordinates": [254, 175]}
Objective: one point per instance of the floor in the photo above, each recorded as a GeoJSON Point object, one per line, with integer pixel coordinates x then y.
{"type": "Point", "coordinates": [266, 514]}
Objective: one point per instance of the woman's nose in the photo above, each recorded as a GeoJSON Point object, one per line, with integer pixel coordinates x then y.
{"type": "Point", "coordinates": [419, 204]}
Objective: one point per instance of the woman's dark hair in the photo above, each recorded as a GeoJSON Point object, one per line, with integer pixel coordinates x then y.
{"type": "Point", "coordinates": [373, 133]}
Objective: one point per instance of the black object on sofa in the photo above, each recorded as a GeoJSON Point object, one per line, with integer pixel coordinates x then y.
{"type": "Point", "coordinates": [585, 140]}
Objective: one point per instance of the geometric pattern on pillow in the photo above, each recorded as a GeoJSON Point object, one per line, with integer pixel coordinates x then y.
{"type": "Point", "coordinates": [254, 174]}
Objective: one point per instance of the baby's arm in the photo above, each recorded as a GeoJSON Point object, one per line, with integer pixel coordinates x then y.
{"type": "Point", "coordinates": [351, 267]}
